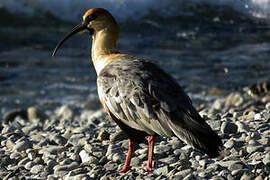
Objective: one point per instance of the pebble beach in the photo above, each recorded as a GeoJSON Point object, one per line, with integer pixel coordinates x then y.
{"type": "Point", "coordinates": [52, 125]}
{"type": "Point", "coordinates": [80, 144]}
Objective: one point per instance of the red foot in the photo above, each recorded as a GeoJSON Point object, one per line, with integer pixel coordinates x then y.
{"type": "Point", "coordinates": [148, 169]}
{"type": "Point", "coordinates": [125, 169]}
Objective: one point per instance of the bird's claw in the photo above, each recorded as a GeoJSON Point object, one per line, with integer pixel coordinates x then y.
{"type": "Point", "coordinates": [148, 169]}
{"type": "Point", "coordinates": [125, 169]}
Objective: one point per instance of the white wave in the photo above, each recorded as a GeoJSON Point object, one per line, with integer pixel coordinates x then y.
{"type": "Point", "coordinates": [123, 9]}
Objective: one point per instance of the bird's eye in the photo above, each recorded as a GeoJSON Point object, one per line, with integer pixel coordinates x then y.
{"type": "Point", "coordinates": [90, 18]}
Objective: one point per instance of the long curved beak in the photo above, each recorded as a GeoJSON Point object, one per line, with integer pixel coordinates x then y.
{"type": "Point", "coordinates": [79, 28]}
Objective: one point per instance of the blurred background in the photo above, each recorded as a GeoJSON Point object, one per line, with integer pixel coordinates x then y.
{"type": "Point", "coordinates": [211, 47]}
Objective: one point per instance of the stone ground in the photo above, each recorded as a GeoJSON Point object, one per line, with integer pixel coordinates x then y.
{"type": "Point", "coordinates": [72, 144]}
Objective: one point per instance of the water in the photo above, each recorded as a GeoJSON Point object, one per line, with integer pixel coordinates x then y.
{"type": "Point", "coordinates": [223, 45]}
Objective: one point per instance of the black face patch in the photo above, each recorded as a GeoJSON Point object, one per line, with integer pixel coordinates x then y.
{"type": "Point", "coordinates": [90, 18]}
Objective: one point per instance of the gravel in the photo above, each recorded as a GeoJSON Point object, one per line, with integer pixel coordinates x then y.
{"type": "Point", "coordinates": [85, 144]}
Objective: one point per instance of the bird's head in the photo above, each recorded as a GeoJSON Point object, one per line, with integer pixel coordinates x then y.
{"type": "Point", "coordinates": [94, 20]}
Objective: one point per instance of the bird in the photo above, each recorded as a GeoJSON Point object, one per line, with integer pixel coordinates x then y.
{"type": "Point", "coordinates": [140, 97]}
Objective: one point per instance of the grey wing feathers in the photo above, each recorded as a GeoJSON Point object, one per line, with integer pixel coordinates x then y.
{"type": "Point", "coordinates": [147, 99]}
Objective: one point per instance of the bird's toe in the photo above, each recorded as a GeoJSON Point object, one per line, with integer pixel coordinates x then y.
{"type": "Point", "coordinates": [125, 169]}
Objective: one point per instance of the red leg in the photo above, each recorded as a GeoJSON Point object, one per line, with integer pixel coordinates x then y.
{"type": "Point", "coordinates": [151, 141]}
{"type": "Point", "coordinates": [127, 166]}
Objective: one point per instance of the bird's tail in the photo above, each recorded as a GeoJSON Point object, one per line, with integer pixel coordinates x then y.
{"type": "Point", "coordinates": [193, 130]}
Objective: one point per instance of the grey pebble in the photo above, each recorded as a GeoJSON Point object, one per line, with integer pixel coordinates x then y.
{"type": "Point", "coordinates": [239, 172]}
{"type": "Point", "coordinates": [229, 144]}
{"type": "Point", "coordinates": [110, 166]}
{"type": "Point", "coordinates": [51, 163]}
{"type": "Point", "coordinates": [23, 161]}
{"type": "Point", "coordinates": [215, 124]}
{"type": "Point", "coordinates": [228, 128]}
{"type": "Point", "coordinates": [22, 145]}
{"type": "Point", "coordinates": [29, 165]}
{"type": "Point", "coordinates": [162, 170]}
{"type": "Point", "coordinates": [135, 161]}
{"type": "Point", "coordinates": [236, 166]}
{"type": "Point", "coordinates": [252, 149]}
{"type": "Point", "coordinates": [60, 140]}
{"type": "Point", "coordinates": [74, 139]}
{"type": "Point", "coordinates": [190, 177]}
{"type": "Point", "coordinates": [169, 160]}
{"type": "Point", "coordinates": [61, 170]}
{"type": "Point", "coordinates": [37, 169]}
{"type": "Point", "coordinates": [266, 115]}
{"type": "Point", "coordinates": [15, 155]}
{"type": "Point", "coordinates": [118, 157]}
{"type": "Point", "coordinates": [182, 174]}
{"type": "Point", "coordinates": [203, 174]}
{"type": "Point", "coordinates": [103, 135]}
{"type": "Point", "coordinates": [87, 157]}
{"type": "Point", "coordinates": [247, 176]}
{"type": "Point", "coordinates": [266, 159]}
{"type": "Point", "coordinates": [52, 177]}
{"type": "Point", "coordinates": [242, 127]}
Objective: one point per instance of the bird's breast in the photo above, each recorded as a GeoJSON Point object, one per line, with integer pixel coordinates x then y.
{"type": "Point", "coordinates": [101, 61]}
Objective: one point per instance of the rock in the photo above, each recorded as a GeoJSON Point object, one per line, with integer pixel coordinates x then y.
{"type": "Point", "coordinates": [112, 149]}
{"type": "Point", "coordinates": [234, 99]}
{"type": "Point", "coordinates": [229, 144]}
{"type": "Point", "coordinates": [29, 165]}
{"type": "Point", "coordinates": [118, 158]}
{"type": "Point", "coordinates": [52, 149]}
{"type": "Point", "coordinates": [213, 167]}
{"type": "Point", "coordinates": [64, 112]}
{"type": "Point", "coordinates": [259, 178]}
{"type": "Point", "coordinates": [31, 154]}
{"type": "Point", "coordinates": [266, 159]}
{"type": "Point", "coordinates": [37, 169]}
{"type": "Point", "coordinates": [87, 157]}
{"type": "Point", "coordinates": [236, 166]}
{"type": "Point", "coordinates": [228, 128]}
{"type": "Point", "coordinates": [51, 163]}
{"type": "Point", "coordinates": [189, 177]}
{"type": "Point", "coordinates": [218, 104]}
{"type": "Point", "coordinates": [203, 174]}
{"type": "Point", "coordinates": [135, 161]}
{"type": "Point", "coordinates": [103, 135]}
{"type": "Point", "coordinates": [52, 177]}
{"type": "Point", "coordinates": [176, 143]}
{"type": "Point", "coordinates": [182, 174]}
{"type": "Point", "coordinates": [23, 161]}
{"type": "Point", "coordinates": [10, 116]}
{"type": "Point", "coordinates": [110, 166]}
{"type": "Point", "coordinates": [239, 172]}
{"type": "Point", "coordinates": [61, 170]}
{"type": "Point", "coordinates": [162, 170]}
{"type": "Point", "coordinates": [267, 106]}
{"type": "Point", "coordinates": [242, 127]}
{"type": "Point", "coordinates": [22, 145]}
{"type": "Point", "coordinates": [227, 163]}
{"type": "Point", "coordinates": [266, 115]}
{"type": "Point", "coordinates": [59, 140]}
{"type": "Point", "coordinates": [75, 139]}
{"type": "Point", "coordinates": [9, 144]}
{"type": "Point", "coordinates": [33, 114]}
{"type": "Point", "coordinates": [118, 136]}
{"type": "Point", "coordinates": [248, 117]}
{"type": "Point", "coordinates": [168, 160]}
{"type": "Point", "coordinates": [257, 116]}
{"type": "Point", "coordinates": [215, 124]}
{"type": "Point", "coordinates": [6, 160]}
{"type": "Point", "coordinates": [248, 176]}
{"type": "Point", "coordinates": [15, 155]}
{"type": "Point", "coordinates": [252, 149]}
